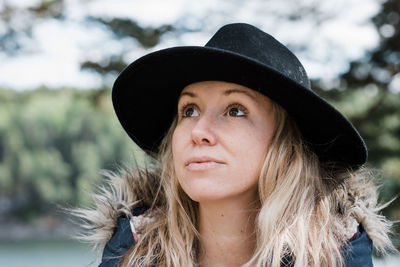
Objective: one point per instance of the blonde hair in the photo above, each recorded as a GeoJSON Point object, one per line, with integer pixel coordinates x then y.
{"type": "Point", "coordinates": [305, 205]}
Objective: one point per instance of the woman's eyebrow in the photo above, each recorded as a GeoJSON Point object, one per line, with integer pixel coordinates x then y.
{"type": "Point", "coordinates": [241, 91]}
{"type": "Point", "coordinates": [188, 94]}
{"type": "Point", "coordinates": [225, 93]}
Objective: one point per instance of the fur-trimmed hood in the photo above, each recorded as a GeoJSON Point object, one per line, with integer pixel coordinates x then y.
{"type": "Point", "coordinates": [139, 188]}
{"type": "Point", "coordinates": [122, 193]}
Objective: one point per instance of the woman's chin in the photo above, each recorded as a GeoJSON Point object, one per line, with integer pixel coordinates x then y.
{"type": "Point", "coordinates": [205, 195]}
{"type": "Point", "coordinates": [201, 196]}
{"type": "Point", "coordinates": [214, 194]}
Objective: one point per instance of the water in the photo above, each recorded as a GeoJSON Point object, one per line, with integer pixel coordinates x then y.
{"type": "Point", "coordinates": [389, 261]}
{"type": "Point", "coordinates": [46, 254]}
{"type": "Point", "coordinates": [74, 254]}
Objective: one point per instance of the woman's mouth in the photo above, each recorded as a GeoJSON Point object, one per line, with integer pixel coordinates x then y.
{"type": "Point", "coordinates": [203, 163]}
{"type": "Point", "coordinates": [194, 166]}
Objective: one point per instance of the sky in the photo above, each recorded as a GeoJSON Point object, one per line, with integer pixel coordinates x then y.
{"type": "Point", "coordinates": [52, 56]}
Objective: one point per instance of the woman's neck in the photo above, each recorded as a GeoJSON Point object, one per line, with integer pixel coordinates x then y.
{"type": "Point", "coordinates": [227, 235]}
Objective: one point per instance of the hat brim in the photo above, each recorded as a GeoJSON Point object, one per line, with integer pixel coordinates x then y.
{"type": "Point", "coordinates": [145, 97]}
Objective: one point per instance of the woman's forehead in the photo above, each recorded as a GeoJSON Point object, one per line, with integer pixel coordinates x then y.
{"type": "Point", "coordinates": [224, 88]}
{"type": "Point", "coordinates": [206, 88]}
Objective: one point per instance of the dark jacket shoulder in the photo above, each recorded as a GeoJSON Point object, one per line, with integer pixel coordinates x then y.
{"type": "Point", "coordinates": [121, 241]}
{"type": "Point", "coordinates": [357, 253]}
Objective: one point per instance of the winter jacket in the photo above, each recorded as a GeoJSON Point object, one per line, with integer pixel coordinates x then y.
{"type": "Point", "coordinates": [358, 252]}
{"type": "Point", "coordinates": [109, 223]}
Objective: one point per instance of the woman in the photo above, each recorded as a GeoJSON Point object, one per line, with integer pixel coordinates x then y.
{"type": "Point", "coordinates": [251, 167]}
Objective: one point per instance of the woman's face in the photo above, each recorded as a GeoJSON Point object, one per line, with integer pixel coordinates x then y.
{"type": "Point", "coordinates": [221, 140]}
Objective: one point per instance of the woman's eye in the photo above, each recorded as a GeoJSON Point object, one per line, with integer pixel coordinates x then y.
{"type": "Point", "coordinates": [189, 111]}
{"type": "Point", "coordinates": [236, 110]}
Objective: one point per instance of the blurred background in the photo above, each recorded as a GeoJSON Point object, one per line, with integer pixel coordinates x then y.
{"type": "Point", "coordinates": [59, 58]}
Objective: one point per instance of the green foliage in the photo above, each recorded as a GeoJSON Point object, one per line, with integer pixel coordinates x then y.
{"type": "Point", "coordinates": [53, 144]}
{"type": "Point", "coordinates": [122, 28]}
{"type": "Point", "coordinates": [18, 23]}
{"type": "Point", "coordinates": [369, 94]}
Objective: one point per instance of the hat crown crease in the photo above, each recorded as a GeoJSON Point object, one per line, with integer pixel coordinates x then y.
{"type": "Point", "coordinates": [249, 41]}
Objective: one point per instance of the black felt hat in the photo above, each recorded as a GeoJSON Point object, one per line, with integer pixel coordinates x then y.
{"type": "Point", "coordinates": [145, 94]}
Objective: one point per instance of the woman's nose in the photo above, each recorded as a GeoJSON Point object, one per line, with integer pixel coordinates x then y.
{"type": "Point", "coordinates": [203, 133]}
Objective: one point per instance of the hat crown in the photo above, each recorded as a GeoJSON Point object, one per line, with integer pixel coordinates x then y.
{"type": "Point", "coordinates": [242, 54]}
{"type": "Point", "coordinates": [249, 41]}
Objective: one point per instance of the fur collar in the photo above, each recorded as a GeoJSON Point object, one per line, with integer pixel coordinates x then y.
{"type": "Point", "coordinates": [129, 190]}
{"type": "Point", "coordinates": [122, 193]}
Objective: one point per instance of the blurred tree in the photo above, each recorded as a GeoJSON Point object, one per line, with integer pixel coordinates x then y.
{"type": "Point", "coordinates": [147, 37]}
{"type": "Point", "coordinates": [369, 93]}
{"type": "Point", "coordinates": [53, 145]}
{"type": "Point", "coordinates": [17, 23]}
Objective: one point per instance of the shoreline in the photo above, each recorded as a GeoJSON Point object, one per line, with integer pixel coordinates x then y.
{"type": "Point", "coordinates": [42, 228]}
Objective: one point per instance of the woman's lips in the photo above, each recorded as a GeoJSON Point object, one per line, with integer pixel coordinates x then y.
{"type": "Point", "coordinates": [194, 166]}
{"type": "Point", "coordinates": [203, 163]}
